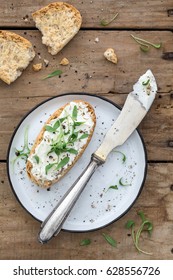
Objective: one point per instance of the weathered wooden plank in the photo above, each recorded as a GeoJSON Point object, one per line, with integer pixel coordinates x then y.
{"type": "Point", "coordinates": [132, 14]}
{"type": "Point", "coordinates": [18, 230]}
{"type": "Point", "coordinates": [89, 70]}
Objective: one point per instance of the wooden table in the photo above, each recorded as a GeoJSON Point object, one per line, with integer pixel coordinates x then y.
{"type": "Point", "coordinates": [90, 72]}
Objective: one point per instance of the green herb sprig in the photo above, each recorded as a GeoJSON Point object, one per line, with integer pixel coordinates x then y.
{"type": "Point", "coordinates": [53, 74]}
{"type": "Point", "coordinates": [124, 158]}
{"type": "Point", "coordinates": [60, 145]}
{"type": "Point", "coordinates": [104, 22]}
{"type": "Point", "coordinates": [24, 153]}
{"type": "Point", "coordinates": [123, 184]}
{"type": "Point", "coordinates": [144, 44]}
{"type": "Point", "coordinates": [146, 225]}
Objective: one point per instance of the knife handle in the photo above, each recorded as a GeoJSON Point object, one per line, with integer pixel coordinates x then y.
{"type": "Point", "coordinates": [53, 223]}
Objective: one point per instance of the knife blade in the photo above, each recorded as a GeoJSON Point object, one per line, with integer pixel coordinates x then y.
{"type": "Point", "coordinates": [136, 106]}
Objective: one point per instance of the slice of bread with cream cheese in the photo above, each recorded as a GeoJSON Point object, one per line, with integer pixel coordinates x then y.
{"type": "Point", "coordinates": [61, 142]}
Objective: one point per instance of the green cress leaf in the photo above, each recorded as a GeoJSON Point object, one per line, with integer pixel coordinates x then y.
{"type": "Point", "coordinates": [113, 187]}
{"type": "Point", "coordinates": [146, 83]}
{"type": "Point", "coordinates": [62, 163]}
{"type": "Point", "coordinates": [146, 225]}
{"type": "Point", "coordinates": [83, 136]}
{"type": "Point", "coordinates": [110, 240]}
{"type": "Point", "coordinates": [72, 151]}
{"type": "Point", "coordinates": [85, 242]}
{"type": "Point", "coordinates": [129, 224]}
{"type": "Point", "coordinates": [24, 153]}
{"type": "Point", "coordinates": [121, 183]}
{"type": "Point", "coordinates": [78, 123]}
{"type": "Point", "coordinates": [58, 122]}
{"type": "Point", "coordinates": [144, 44]}
{"type": "Point", "coordinates": [49, 128]}
{"type": "Point", "coordinates": [74, 113]}
{"type": "Point", "coordinates": [54, 73]}
{"type": "Point", "coordinates": [142, 215]}
{"type": "Point", "coordinates": [37, 159]}
{"type": "Point", "coordinates": [104, 22]}
{"type": "Point", "coordinates": [123, 155]}
{"type": "Point", "coordinates": [48, 167]}
{"type": "Point", "coordinates": [144, 48]}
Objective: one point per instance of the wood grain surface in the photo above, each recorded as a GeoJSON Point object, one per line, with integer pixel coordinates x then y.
{"type": "Point", "coordinates": [88, 71]}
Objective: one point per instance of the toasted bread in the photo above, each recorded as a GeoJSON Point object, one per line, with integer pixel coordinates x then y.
{"type": "Point", "coordinates": [15, 55]}
{"type": "Point", "coordinates": [61, 142]}
{"type": "Point", "coordinates": [58, 22]}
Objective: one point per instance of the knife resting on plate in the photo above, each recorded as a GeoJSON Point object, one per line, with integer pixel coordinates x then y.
{"type": "Point", "coordinates": [134, 110]}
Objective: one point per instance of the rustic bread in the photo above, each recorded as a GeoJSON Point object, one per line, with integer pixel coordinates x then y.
{"type": "Point", "coordinates": [15, 55]}
{"type": "Point", "coordinates": [58, 22]}
{"type": "Point", "coordinates": [61, 142]}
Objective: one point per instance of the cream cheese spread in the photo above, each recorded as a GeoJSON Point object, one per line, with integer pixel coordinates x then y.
{"type": "Point", "coordinates": [63, 140]}
{"type": "Point", "coordinates": [145, 89]}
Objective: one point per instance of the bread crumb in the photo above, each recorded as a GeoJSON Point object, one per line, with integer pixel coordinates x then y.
{"type": "Point", "coordinates": [46, 62]}
{"type": "Point", "coordinates": [110, 55]}
{"type": "Point", "coordinates": [64, 61]}
{"type": "Point", "coordinates": [37, 67]}
{"type": "Point", "coordinates": [97, 40]}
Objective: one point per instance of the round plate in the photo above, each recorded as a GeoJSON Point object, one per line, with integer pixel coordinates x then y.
{"type": "Point", "coordinates": [98, 205]}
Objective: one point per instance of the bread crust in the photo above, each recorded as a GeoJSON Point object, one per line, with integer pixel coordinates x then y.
{"type": "Point", "coordinates": [7, 35]}
{"type": "Point", "coordinates": [56, 114]}
{"type": "Point", "coordinates": [57, 35]}
{"type": "Point", "coordinates": [59, 6]}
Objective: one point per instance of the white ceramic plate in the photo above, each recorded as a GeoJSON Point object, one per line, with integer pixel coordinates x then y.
{"type": "Point", "coordinates": [98, 205]}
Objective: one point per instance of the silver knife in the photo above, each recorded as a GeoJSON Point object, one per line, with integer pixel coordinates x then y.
{"type": "Point", "coordinates": [136, 106]}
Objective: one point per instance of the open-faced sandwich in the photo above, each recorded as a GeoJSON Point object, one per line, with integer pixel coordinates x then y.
{"type": "Point", "coordinates": [61, 142]}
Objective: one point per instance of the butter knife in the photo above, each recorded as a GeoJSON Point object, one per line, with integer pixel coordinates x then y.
{"type": "Point", "coordinates": [136, 106]}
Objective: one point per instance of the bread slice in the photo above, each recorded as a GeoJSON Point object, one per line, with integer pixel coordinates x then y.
{"type": "Point", "coordinates": [61, 142]}
{"type": "Point", "coordinates": [15, 55]}
{"type": "Point", "coordinates": [59, 22]}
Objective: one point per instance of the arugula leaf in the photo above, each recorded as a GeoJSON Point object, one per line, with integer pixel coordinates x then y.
{"type": "Point", "coordinates": [62, 163]}
{"type": "Point", "coordinates": [85, 242]}
{"type": "Point", "coordinates": [54, 73]}
{"type": "Point", "coordinates": [110, 240]}
{"type": "Point", "coordinates": [104, 22]}
{"type": "Point", "coordinates": [37, 158]}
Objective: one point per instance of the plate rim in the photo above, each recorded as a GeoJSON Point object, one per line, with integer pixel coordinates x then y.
{"type": "Point", "coordinates": [49, 99]}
